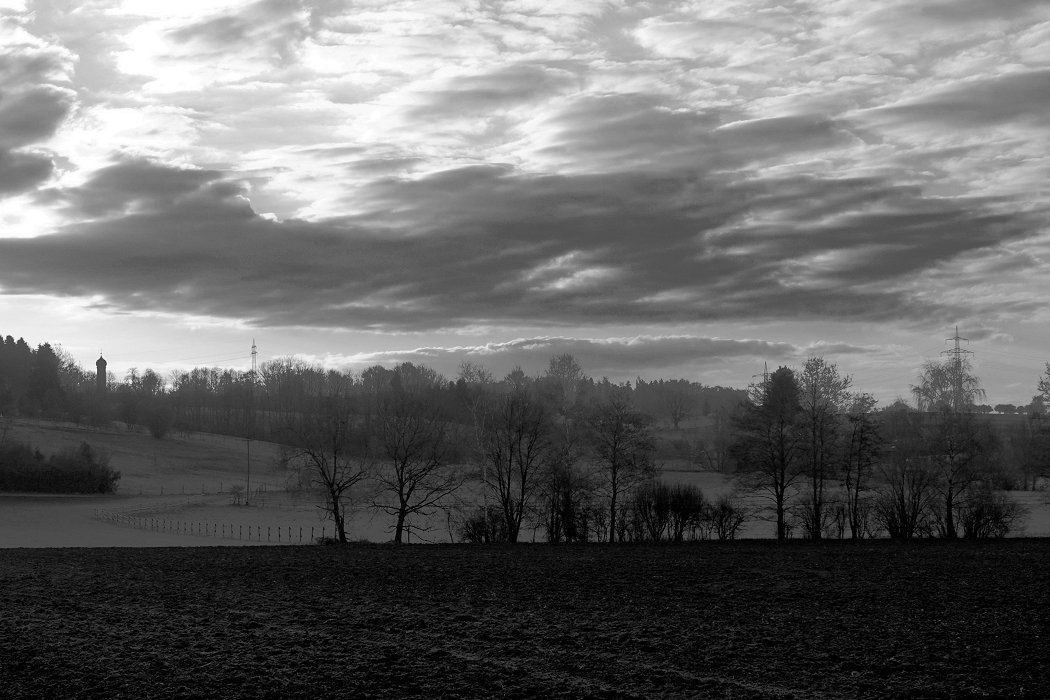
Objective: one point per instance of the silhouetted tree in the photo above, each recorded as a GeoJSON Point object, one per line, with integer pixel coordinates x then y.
{"type": "Point", "coordinates": [622, 448]}
{"type": "Point", "coordinates": [515, 443]}
{"type": "Point", "coordinates": [957, 446]}
{"type": "Point", "coordinates": [770, 448]}
{"type": "Point", "coordinates": [823, 398]}
{"type": "Point", "coordinates": [861, 448]}
{"type": "Point", "coordinates": [333, 450]}
{"type": "Point", "coordinates": [415, 443]}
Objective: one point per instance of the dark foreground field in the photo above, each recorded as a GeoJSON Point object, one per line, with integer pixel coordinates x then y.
{"type": "Point", "coordinates": [746, 619]}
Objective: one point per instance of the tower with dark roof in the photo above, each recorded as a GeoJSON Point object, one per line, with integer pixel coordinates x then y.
{"type": "Point", "coordinates": [100, 374]}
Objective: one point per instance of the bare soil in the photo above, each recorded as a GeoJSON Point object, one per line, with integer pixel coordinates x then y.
{"type": "Point", "coordinates": [748, 619]}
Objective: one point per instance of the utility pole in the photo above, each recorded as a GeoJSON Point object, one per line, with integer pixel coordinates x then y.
{"type": "Point", "coordinates": [956, 354]}
{"type": "Point", "coordinates": [251, 423]}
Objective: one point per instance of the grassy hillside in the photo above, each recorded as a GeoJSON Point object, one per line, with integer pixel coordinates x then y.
{"type": "Point", "coordinates": [740, 620]}
{"type": "Point", "coordinates": [179, 463]}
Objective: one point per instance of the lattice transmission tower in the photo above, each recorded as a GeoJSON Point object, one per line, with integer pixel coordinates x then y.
{"type": "Point", "coordinates": [956, 355]}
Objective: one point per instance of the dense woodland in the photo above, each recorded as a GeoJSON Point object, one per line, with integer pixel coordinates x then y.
{"type": "Point", "coordinates": [581, 459]}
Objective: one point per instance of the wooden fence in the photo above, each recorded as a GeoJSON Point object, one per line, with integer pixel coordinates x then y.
{"type": "Point", "coordinates": [272, 534]}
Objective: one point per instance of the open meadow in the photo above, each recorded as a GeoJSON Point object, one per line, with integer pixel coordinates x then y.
{"type": "Point", "coordinates": [750, 619]}
{"type": "Point", "coordinates": [172, 490]}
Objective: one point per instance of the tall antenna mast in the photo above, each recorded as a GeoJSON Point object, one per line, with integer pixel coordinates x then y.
{"type": "Point", "coordinates": [765, 377]}
{"type": "Point", "coordinates": [956, 354]}
{"type": "Point", "coordinates": [255, 352]}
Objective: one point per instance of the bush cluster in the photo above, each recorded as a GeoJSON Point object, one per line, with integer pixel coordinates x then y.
{"type": "Point", "coordinates": [78, 470]}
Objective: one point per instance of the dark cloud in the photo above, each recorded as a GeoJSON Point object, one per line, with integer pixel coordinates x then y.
{"type": "Point", "coordinates": [486, 245]}
{"type": "Point", "coordinates": [31, 110]}
{"type": "Point", "coordinates": [20, 172]}
{"type": "Point", "coordinates": [646, 131]}
{"type": "Point", "coordinates": [866, 231]}
{"type": "Point", "coordinates": [765, 139]}
{"type": "Point", "coordinates": [506, 87]}
{"type": "Point", "coordinates": [970, 11]}
{"type": "Point", "coordinates": [1014, 97]}
{"type": "Point", "coordinates": [133, 184]}
{"type": "Point", "coordinates": [21, 67]}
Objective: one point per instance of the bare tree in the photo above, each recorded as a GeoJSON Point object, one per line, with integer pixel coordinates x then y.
{"type": "Point", "coordinates": [515, 444]}
{"type": "Point", "coordinates": [415, 444]}
{"type": "Point", "coordinates": [726, 516]}
{"type": "Point", "coordinates": [565, 375]}
{"type": "Point", "coordinates": [333, 450]}
{"type": "Point", "coordinates": [652, 506]}
{"type": "Point", "coordinates": [770, 446]}
{"type": "Point", "coordinates": [990, 514]}
{"type": "Point", "coordinates": [623, 451]}
{"type": "Point", "coordinates": [689, 510]}
{"type": "Point", "coordinates": [957, 445]}
{"type": "Point", "coordinates": [715, 452]}
{"type": "Point", "coordinates": [823, 395]}
{"type": "Point", "coordinates": [860, 450]}
{"type": "Point", "coordinates": [905, 495]}
{"type": "Point", "coordinates": [566, 489]}
{"type": "Point", "coordinates": [679, 406]}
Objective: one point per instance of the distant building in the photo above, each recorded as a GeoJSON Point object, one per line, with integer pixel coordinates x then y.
{"type": "Point", "coordinates": [100, 374]}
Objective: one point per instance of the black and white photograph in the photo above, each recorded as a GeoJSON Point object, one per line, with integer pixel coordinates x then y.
{"type": "Point", "coordinates": [524, 349]}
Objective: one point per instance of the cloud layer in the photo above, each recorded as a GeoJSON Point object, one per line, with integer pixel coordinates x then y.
{"type": "Point", "coordinates": [419, 167]}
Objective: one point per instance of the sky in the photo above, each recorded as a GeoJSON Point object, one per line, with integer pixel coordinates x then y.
{"type": "Point", "coordinates": [662, 189]}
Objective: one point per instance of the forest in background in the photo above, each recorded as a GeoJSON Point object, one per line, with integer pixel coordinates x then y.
{"type": "Point", "coordinates": [581, 458]}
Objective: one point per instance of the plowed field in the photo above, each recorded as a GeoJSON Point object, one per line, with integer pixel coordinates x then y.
{"type": "Point", "coordinates": [746, 619]}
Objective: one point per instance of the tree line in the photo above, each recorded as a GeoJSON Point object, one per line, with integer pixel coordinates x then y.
{"type": "Point", "coordinates": [578, 459]}
{"type": "Point", "coordinates": [828, 462]}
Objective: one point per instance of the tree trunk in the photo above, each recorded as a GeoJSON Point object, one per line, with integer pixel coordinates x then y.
{"type": "Point", "coordinates": [781, 525]}
{"type": "Point", "coordinates": [338, 519]}
{"type": "Point", "coordinates": [949, 515]}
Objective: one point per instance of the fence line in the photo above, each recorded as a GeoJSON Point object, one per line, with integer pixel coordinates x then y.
{"type": "Point", "coordinates": [272, 534]}
{"type": "Point", "coordinates": [228, 488]}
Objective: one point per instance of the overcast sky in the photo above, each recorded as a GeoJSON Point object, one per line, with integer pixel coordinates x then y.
{"type": "Point", "coordinates": [664, 189]}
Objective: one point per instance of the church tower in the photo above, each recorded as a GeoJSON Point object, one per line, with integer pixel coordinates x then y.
{"type": "Point", "coordinates": [100, 374]}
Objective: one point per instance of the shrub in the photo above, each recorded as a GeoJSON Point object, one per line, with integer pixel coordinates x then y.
{"type": "Point", "coordinates": [726, 516]}
{"type": "Point", "coordinates": [79, 470]}
{"type": "Point", "coordinates": [990, 514]}
{"type": "Point", "coordinates": [483, 527]}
